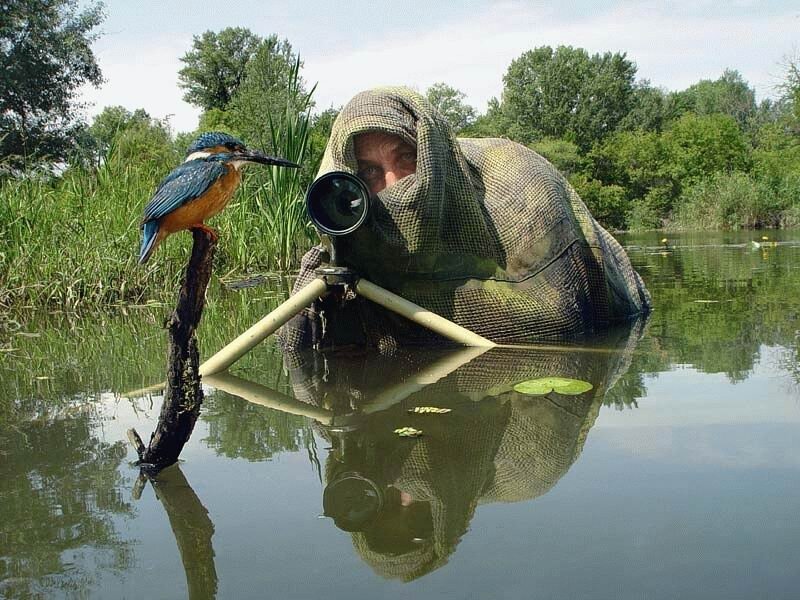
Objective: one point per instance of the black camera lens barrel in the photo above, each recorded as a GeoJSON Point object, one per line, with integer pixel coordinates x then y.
{"type": "Point", "coordinates": [338, 203]}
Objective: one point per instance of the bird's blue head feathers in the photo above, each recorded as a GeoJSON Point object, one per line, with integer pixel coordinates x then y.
{"type": "Point", "coordinates": [210, 139]}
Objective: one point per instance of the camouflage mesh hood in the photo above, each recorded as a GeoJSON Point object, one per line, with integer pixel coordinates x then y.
{"type": "Point", "coordinates": [486, 233]}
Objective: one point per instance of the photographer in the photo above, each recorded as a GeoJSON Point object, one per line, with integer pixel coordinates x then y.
{"type": "Point", "coordinates": [484, 232]}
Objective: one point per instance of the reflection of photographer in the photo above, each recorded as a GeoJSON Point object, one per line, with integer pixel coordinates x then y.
{"type": "Point", "coordinates": [407, 502]}
{"type": "Point", "coordinates": [483, 232]}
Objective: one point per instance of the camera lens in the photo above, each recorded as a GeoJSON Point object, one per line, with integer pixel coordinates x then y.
{"type": "Point", "coordinates": [337, 203]}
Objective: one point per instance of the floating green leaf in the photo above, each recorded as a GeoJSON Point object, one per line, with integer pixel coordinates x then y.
{"type": "Point", "coordinates": [560, 385]}
{"type": "Point", "coordinates": [408, 432]}
{"type": "Point", "coordinates": [423, 410]}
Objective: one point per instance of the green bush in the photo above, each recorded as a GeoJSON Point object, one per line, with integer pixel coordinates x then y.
{"type": "Point", "coordinates": [564, 155]}
{"type": "Point", "coordinates": [607, 203]}
{"type": "Point", "coordinates": [700, 146]}
{"type": "Point", "coordinates": [643, 217]}
{"type": "Point", "coordinates": [788, 191]}
{"type": "Point", "coordinates": [652, 211]}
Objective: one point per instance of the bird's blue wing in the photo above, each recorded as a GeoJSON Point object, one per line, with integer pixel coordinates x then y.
{"type": "Point", "coordinates": [184, 183]}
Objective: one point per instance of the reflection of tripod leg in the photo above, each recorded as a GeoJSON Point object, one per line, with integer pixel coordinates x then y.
{"type": "Point", "coordinates": [430, 374]}
{"type": "Point", "coordinates": [256, 393]}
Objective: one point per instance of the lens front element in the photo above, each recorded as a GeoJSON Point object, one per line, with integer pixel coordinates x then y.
{"type": "Point", "coordinates": [337, 203]}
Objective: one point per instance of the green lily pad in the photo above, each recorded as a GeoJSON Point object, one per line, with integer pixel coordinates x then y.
{"type": "Point", "coordinates": [560, 385]}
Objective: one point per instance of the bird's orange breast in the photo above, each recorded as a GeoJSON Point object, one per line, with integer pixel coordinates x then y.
{"type": "Point", "coordinates": [196, 211]}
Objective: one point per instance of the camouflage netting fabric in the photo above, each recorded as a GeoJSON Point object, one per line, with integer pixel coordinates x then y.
{"type": "Point", "coordinates": [486, 233]}
{"type": "Point", "coordinates": [496, 445]}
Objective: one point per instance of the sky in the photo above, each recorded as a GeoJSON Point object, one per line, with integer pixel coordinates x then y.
{"type": "Point", "coordinates": [352, 46]}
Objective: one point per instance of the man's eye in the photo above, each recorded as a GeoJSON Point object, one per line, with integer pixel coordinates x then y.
{"type": "Point", "coordinates": [369, 173]}
{"type": "Point", "coordinates": [409, 157]}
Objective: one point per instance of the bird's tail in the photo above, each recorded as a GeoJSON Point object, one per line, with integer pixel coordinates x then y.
{"type": "Point", "coordinates": [149, 240]}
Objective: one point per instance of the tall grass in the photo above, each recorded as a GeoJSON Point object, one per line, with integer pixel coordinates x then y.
{"type": "Point", "coordinates": [739, 201]}
{"type": "Point", "coordinates": [290, 134]}
{"type": "Point", "coordinates": [72, 240]}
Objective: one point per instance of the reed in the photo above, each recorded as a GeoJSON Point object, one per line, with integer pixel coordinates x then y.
{"type": "Point", "coordinates": [738, 201]}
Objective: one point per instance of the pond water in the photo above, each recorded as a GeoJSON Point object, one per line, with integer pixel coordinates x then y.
{"type": "Point", "coordinates": [676, 475]}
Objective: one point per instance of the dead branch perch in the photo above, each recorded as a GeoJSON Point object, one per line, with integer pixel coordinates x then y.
{"type": "Point", "coordinates": [184, 394]}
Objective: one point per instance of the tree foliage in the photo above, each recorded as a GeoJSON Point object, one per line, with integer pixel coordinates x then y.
{"type": "Point", "coordinates": [564, 155]}
{"type": "Point", "coordinates": [729, 95]}
{"type": "Point", "coordinates": [216, 66]}
{"type": "Point", "coordinates": [271, 86]}
{"type": "Point", "coordinates": [45, 58]}
{"type": "Point", "coordinates": [321, 126]}
{"type": "Point", "coordinates": [790, 87]}
{"type": "Point", "coordinates": [698, 146]}
{"type": "Point", "coordinates": [450, 103]}
{"type": "Point", "coordinates": [650, 108]}
{"type": "Point", "coordinates": [567, 93]}
{"type": "Point", "coordinates": [493, 123]}
{"type": "Point", "coordinates": [127, 140]}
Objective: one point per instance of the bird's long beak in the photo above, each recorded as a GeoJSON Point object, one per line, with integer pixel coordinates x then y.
{"type": "Point", "coordinates": [258, 157]}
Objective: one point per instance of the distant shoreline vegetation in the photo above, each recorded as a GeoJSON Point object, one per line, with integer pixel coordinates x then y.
{"type": "Point", "coordinates": [71, 193]}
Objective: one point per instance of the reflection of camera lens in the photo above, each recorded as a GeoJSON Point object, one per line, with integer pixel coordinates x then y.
{"type": "Point", "coordinates": [353, 501]}
{"type": "Point", "coordinates": [338, 203]}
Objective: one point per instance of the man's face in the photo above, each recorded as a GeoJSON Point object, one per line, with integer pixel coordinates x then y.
{"type": "Point", "coordinates": [383, 159]}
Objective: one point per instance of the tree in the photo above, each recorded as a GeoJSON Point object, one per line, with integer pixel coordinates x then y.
{"type": "Point", "coordinates": [729, 95]}
{"type": "Point", "coordinates": [567, 93]}
{"type": "Point", "coordinates": [267, 90]}
{"type": "Point", "coordinates": [634, 160]}
{"type": "Point", "coordinates": [790, 86]}
{"type": "Point", "coordinates": [649, 108]}
{"type": "Point", "coordinates": [565, 156]}
{"type": "Point", "coordinates": [111, 122]}
{"type": "Point", "coordinates": [216, 66]}
{"type": "Point", "coordinates": [321, 126]}
{"type": "Point", "coordinates": [45, 58]}
{"type": "Point", "coordinates": [493, 123]}
{"type": "Point", "coordinates": [127, 139]}
{"type": "Point", "coordinates": [699, 146]}
{"type": "Point", "coordinates": [450, 103]}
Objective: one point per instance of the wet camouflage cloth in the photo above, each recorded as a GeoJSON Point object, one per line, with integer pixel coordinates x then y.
{"type": "Point", "coordinates": [486, 233]}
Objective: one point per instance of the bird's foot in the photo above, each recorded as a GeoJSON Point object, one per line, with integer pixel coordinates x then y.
{"type": "Point", "coordinates": [211, 233]}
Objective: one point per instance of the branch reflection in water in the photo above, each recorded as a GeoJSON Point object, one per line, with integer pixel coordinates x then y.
{"type": "Point", "coordinates": [407, 502]}
{"type": "Point", "coordinates": [191, 526]}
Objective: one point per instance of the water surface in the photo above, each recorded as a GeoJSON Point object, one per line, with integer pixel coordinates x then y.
{"type": "Point", "coordinates": [676, 475]}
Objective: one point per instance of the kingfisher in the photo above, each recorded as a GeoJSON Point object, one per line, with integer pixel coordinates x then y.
{"type": "Point", "coordinates": [198, 188]}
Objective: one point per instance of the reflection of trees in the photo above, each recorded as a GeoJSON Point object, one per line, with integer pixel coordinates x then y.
{"type": "Point", "coordinates": [237, 429]}
{"type": "Point", "coordinates": [61, 490]}
{"type": "Point", "coordinates": [756, 301]}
